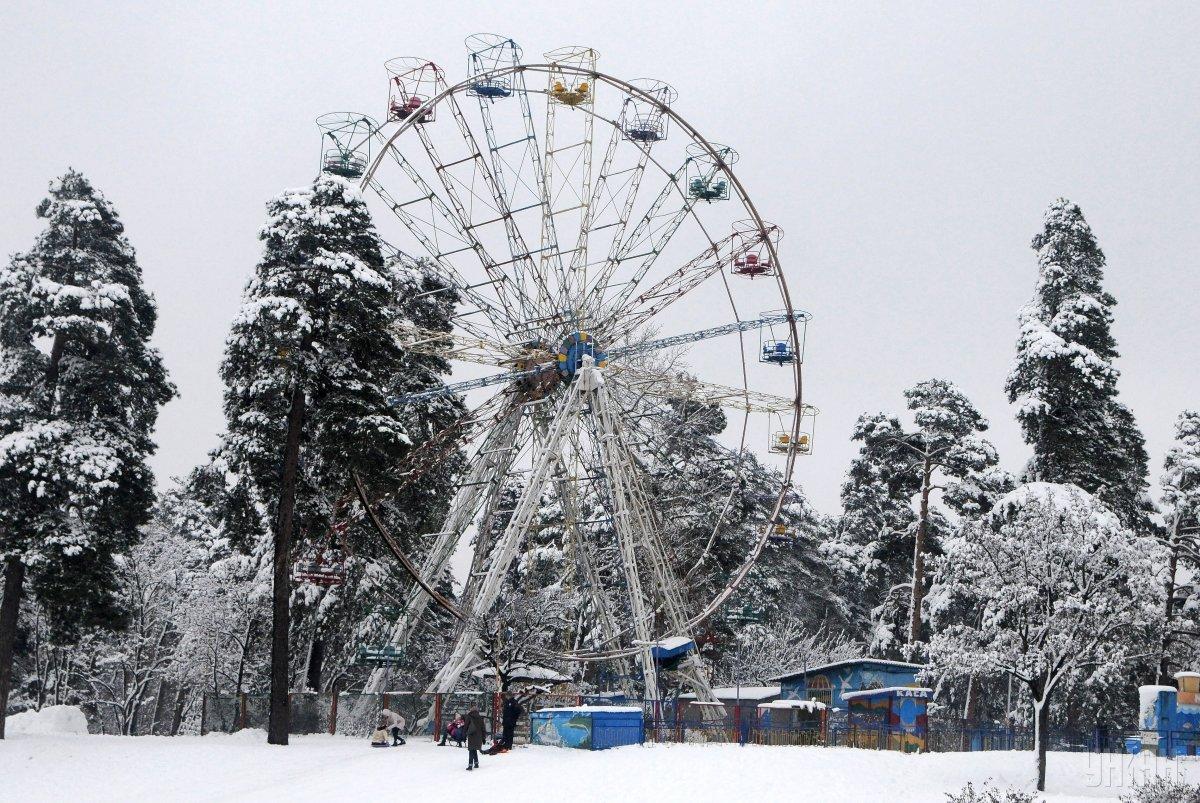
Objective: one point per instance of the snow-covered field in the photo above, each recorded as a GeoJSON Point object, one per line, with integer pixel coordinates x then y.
{"type": "Point", "coordinates": [325, 768]}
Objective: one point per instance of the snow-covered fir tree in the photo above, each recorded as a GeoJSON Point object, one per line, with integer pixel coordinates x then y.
{"type": "Point", "coordinates": [1064, 382]}
{"type": "Point", "coordinates": [1064, 593]}
{"type": "Point", "coordinates": [308, 367]}
{"type": "Point", "coordinates": [1181, 503]}
{"type": "Point", "coordinates": [80, 391]}
{"type": "Point", "coordinates": [942, 459]}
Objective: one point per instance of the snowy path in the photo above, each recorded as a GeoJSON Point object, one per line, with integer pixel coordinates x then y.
{"type": "Point", "coordinates": [323, 768]}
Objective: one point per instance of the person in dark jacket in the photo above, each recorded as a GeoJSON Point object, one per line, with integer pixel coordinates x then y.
{"type": "Point", "coordinates": [475, 731]}
{"type": "Point", "coordinates": [509, 715]}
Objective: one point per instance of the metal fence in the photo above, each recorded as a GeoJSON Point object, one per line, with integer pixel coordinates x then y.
{"type": "Point", "coordinates": [345, 713]}
{"type": "Point", "coordinates": [665, 721]}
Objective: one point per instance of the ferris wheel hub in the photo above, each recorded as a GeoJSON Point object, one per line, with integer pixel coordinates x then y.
{"type": "Point", "coordinates": [574, 349]}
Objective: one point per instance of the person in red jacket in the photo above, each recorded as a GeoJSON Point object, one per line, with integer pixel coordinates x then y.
{"type": "Point", "coordinates": [454, 731]}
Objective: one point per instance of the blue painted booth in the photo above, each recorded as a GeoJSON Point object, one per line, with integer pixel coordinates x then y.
{"type": "Point", "coordinates": [1169, 718]}
{"type": "Point", "coordinates": [587, 727]}
{"type": "Point", "coordinates": [829, 682]}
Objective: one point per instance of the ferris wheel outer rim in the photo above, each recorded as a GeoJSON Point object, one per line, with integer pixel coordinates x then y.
{"type": "Point", "coordinates": [798, 406]}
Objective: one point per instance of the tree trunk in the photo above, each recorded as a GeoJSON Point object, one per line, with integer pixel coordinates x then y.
{"type": "Point", "coordinates": [918, 578]}
{"type": "Point", "coordinates": [14, 582]}
{"type": "Point", "coordinates": [177, 718]}
{"type": "Point", "coordinates": [277, 730]}
{"type": "Point", "coordinates": [316, 657]}
{"type": "Point", "coordinates": [160, 708]}
{"type": "Point", "coordinates": [1164, 664]}
{"type": "Point", "coordinates": [1041, 727]}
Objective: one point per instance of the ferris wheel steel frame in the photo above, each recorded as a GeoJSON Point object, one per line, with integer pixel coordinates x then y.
{"type": "Point", "coordinates": [513, 309]}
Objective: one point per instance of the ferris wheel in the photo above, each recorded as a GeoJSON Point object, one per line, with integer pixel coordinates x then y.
{"type": "Point", "coordinates": [610, 267]}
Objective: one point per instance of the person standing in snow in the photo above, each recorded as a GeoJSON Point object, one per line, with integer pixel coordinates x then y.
{"type": "Point", "coordinates": [509, 715]}
{"type": "Point", "coordinates": [475, 731]}
{"type": "Point", "coordinates": [393, 723]}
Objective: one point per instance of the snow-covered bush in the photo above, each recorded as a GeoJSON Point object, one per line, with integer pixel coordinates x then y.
{"type": "Point", "coordinates": [988, 794]}
{"type": "Point", "coordinates": [1163, 790]}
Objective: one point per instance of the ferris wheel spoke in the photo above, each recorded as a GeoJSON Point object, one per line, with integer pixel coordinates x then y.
{"type": "Point", "coordinates": [526, 262]}
{"type": "Point", "coordinates": [570, 159]}
{"type": "Point", "coordinates": [496, 316]}
{"type": "Point", "coordinates": [522, 257]}
{"type": "Point", "coordinates": [616, 190]}
{"type": "Point", "coordinates": [465, 222]}
{"type": "Point", "coordinates": [626, 315]}
{"type": "Point", "coordinates": [431, 233]}
{"type": "Point", "coordinates": [650, 236]}
{"type": "Point", "coordinates": [678, 386]}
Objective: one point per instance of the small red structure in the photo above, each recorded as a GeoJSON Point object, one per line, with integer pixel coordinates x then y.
{"type": "Point", "coordinates": [411, 82]}
{"type": "Point", "coordinates": [326, 568]}
{"type": "Point", "coordinates": [753, 244]}
{"type": "Point", "coordinates": [751, 265]}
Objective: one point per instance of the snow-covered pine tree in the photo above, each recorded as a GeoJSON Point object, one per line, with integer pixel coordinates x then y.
{"type": "Point", "coordinates": [80, 390]}
{"type": "Point", "coordinates": [873, 545]}
{"type": "Point", "coordinates": [308, 366]}
{"type": "Point", "coordinates": [333, 622]}
{"type": "Point", "coordinates": [1065, 594]}
{"type": "Point", "coordinates": [1181, 502]}
{"type": "Point", "coordinates": [944, 451]}
{"type": "Point", "coordinates": [1064, 382]}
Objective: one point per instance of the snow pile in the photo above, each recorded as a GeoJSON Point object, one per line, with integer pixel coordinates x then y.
{"type": "Point", "coordinates": [807, 705]}
{"type": "Point", "coordinates": [585, 709]}
{"type": "Point", "coordinates": [739, 692]}
{"type": "Point", "coordinates": [51, 719]}
{"type": "Point", "coordinates": [1147, 697]}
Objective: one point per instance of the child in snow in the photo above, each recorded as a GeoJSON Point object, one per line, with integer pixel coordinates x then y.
{"type": "Point", "coordinates": [391, 722]}
{"type": "Point", "coordinates": [475, 730]}
{"type": "Point", "coordinates": [454, 731]}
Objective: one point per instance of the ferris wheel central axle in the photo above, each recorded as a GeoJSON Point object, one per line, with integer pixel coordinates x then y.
{"type": "Point", "coordinates": [577, 344]}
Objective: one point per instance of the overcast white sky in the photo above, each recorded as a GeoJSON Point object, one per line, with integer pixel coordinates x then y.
{"type": "Point", "coordinates": [908, 150]}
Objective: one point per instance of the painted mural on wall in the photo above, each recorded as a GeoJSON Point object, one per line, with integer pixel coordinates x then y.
{"type": "Point", "coordinates": [899, 714]}
{"type": "Point", "coordinates": [562, 729]}
{"type": "Point", "coordinates": [829, 684]}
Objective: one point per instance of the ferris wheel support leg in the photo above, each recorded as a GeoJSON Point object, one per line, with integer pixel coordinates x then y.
{"type": "Point", "coordinates": [489, 467]}
{"type": "Point", "coordinates": [633, 509]}
{"type": "Point", "coordinates": [578, 544]}
{"type": "Point", "coordinates": [506, 547]}
{"type": "Point", "coordinates": [627, 527]}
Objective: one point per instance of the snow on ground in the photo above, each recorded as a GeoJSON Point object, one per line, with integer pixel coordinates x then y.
{"type": "Point", "coordinates": [324, 768]}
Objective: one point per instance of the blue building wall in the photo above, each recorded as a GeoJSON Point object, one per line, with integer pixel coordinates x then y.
{"type": "Point", "coordinates": [1169, 718]}
{"type": "Point", "coordinates": [846, 677]}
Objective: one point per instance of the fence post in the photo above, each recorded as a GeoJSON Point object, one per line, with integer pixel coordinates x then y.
{"type": "Point", "coordinates": [437, 716]}
{"type": "Point", "coordinates": [333, 706]}
{"type": "Point", "coordinates": [241, 710]}
{"type": "Point", "coordinates": [386, 699]}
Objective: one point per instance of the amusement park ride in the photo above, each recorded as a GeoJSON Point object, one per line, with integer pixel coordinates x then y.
{"type": "Point", "coordinates": [577, 216]}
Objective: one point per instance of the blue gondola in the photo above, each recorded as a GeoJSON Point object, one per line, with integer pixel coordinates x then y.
{"type": "Point", "coordinates": [492, 89]}
{"type": "Point", "coordinates": [778, 352]}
